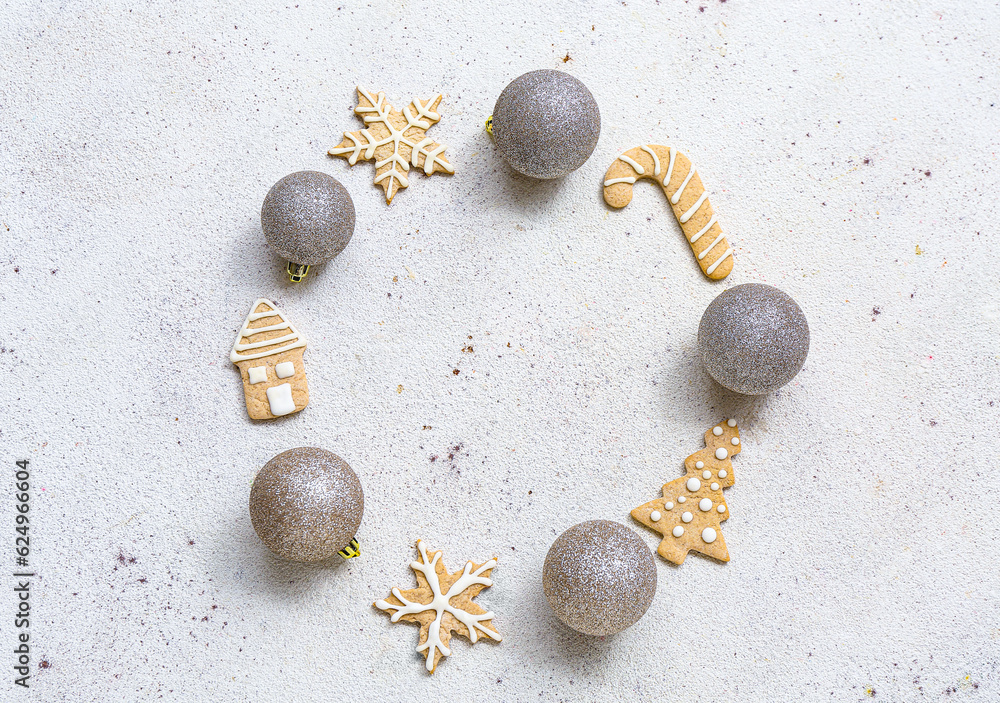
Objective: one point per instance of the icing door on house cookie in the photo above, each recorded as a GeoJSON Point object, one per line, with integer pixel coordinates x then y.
{"type": "Point", "coordinates": [268, 352]}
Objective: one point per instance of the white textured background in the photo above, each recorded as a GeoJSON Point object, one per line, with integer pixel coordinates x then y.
{"type": "Point", "coordinates": [836, 138]}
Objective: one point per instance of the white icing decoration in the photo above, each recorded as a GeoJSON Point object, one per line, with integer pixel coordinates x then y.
{"type": "Point", "coordinates": [731, 423]}
{"type": "Point", "coordinates": [681, 499]}
{"type": "Point", "coordinates": [711, 269]}
{"type": "Point", "coordinates": [693, 484]}
{"type": "Point", "coordinates": [656, 159]}
{"type": "Point", "coordinates": [715, 486]}
{"type": "Point", "coordinates": [706, 474]}
{"type": "Point", "coordinates": [705, 505]}
{"type": "Point", "coordinates": [687, 517]}
{"type": "Point", "coordinates": [668, 505]}
{"type": "Point", "coordinates": [441, 603]}
{"type": "Point", "coordinates": [279, 398]}
{"type": "Point", "coordinates": [257, 374]}
{"type": "Point", "coordinates": [694, 208]}
{"type": "Point", "coordinates": [670, 166]}
{"type": "Point", "coordinates": [716, 431]}
{"type": "Point", "coordinates": [424, 120]}
{"type": "Point", "coordinates": [723, 473]}
{"type": "Point", "coordinates": [735, 441]}
{"type": "Point", "coordinates": [721, 508]}
{"type": "Point", "coordinates": [678, 531]}
{"type": "Point", "coordinates": [709, 535]}
{"type": "Point", "coordinates": [721, 453]}
{"type": "Point", "coordinates": [675, 198]}
{"type": "Point", "coordinates": [612, 181]}
{"type": "Point", "coordinates": [711, 221]}
{"type": "Point", "coordinates": [292, 340]}
{"type": "Point", "coordinates": [634, 164]}
{"type": "Point", "coordinates": [655, 516]}
{"type": "Point", "coordinates": [284, 369]}
{"type": "Point", "coordinates": [699, 464]}
{"type": "Point", "coordinates": [704, 253]}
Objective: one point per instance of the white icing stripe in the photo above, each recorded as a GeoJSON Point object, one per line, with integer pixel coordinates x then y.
{"type": "Point", "coordinates": [269, 328]}
{"type": "Point", "coordinates": [442, 604]}
{"type": "Point", "coordinates": [634, 164]}
{"type": "Point", "coordinates": [670, 167]}
{"type": "Point", "coordinates": [675, 198]}
{"type": "Point", "coordinates": [612, 181]}
{"type": "Point", "coordinates": [711, 269]}
{"type": "Point", "coordinates": [694, 208]}
{"type": "Point", "coordinates": [712, 220]}
{"type": "Point", "coordinates": [656, 159]}
{"type": "Point", "coordinates": [265, 342]}
{"type": "Point", "coordinates": [704, 252]}
{"type": "Point", "coordinates": [292, 340]}
{"type": "Point", "coordinates": [254, 316]}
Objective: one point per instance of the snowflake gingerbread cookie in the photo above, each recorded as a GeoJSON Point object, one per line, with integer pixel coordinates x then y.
{"type": "Point", "coordinates": [395, 140]}
{"type": "Point", "coordinates": [690, 513]}
{"type": "Point", "coordinates": [442, 604]}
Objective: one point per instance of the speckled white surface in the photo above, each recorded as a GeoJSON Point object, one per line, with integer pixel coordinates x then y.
{"type": "Point", "coordinates": [851, 153]}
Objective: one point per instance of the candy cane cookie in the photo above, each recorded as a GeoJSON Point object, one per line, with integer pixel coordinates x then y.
{"type": "Point", "coordinates": [687, 196]}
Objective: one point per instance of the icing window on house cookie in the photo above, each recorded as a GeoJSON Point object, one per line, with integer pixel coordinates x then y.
{"type": "Point", "coordinates": [257, 374]}
{"type": "Point", "coordinates": [279, 398]}
{"type": "Point", "coordinates": [284, 369]}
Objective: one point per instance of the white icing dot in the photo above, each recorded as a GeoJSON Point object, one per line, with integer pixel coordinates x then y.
{"type": "Point", "coordinates": [681, 499]}
{"type": "Point", "coordinates": [678, 531]}
{"type": "Point", "coordinates": [693, 484]}
{"type": "Point", "coordinates": [668, 505]}
{"type": "Point", "coordinates": [721, 508]}
{"type": "Point", "coordinates": [731, 423]}
{"type": "Point", "coordinates": [706, 474]}
{"type": "Point", "coordinates": [687, 517]}
{"type": "Point", "coordinates": [708, 534]}
{"type": "Point", "coordinates": [717, 431]}
{"type": "Point", "coordinates": [722, 473]}
{"type": "Point", "coordinates": [705, 505]}
{"type": "Point", "coordinates": [655, 516]}
{"type": "Point", "coordinates": [715, 486]}
{"type": "Point", "coordinates": [721, 453]}
{"type": "Point", "coordinates": [699, 464]}
{"type": "Point", "coordinates": [735, 441]}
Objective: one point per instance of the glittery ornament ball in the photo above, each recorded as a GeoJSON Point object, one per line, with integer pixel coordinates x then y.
{"type": "Point", "coordinates": [599, 577]}
{"type": "Point", "coordinates": [546, 124]}
{"type": "Point", "coordinates": [753, 339]}
{"type": "Point", "coordinates": [306, 504]}
{"type": "Point", "coordinates": [307, 217]}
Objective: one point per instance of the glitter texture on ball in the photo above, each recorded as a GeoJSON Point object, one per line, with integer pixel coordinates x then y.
{"type": "Point", "coordinates": [753, 339]}
{"type": "Point", "coordinates": [307, 218]}
{"type": "Point", "coordinates": [546, 124]}
{"type": "Point", "coordinates": [306, 504]}
{"type": "Point", "coordinates": [599, 577]}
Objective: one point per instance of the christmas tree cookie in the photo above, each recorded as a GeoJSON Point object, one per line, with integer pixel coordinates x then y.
{"type": "Point", "coordinates": [268, 351]}
{"type": "Point", "coordinates": [690, 513]}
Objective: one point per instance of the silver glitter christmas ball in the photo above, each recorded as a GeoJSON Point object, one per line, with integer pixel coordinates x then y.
{"type": "Point", "coordinates": [753, 339]}
{"type": "Point", "coordinates": [307, 217]}
{"type": "Point", "coordinates": [546, 124]}
{"type": "Point", "coordinates": [599, 577]}
{"type": "Point", "coordinates": [306, 504]}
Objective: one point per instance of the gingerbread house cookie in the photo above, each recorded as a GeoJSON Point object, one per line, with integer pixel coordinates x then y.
{"type": "Point", "coordinates": [268, 352]}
